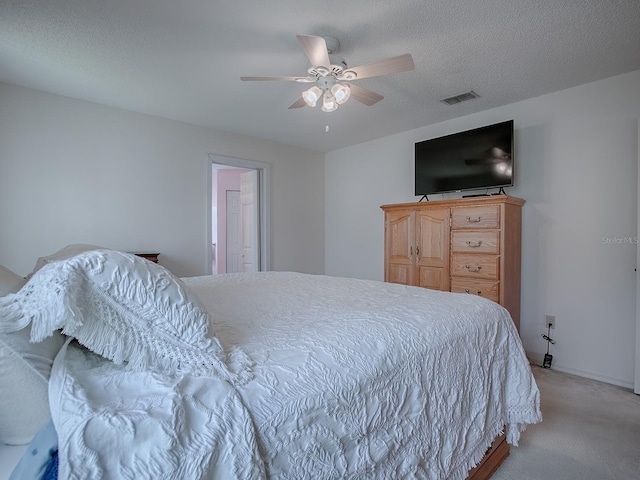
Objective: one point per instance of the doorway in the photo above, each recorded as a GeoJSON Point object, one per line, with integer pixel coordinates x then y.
{"type": "Point", "coordinates": [246, 183]}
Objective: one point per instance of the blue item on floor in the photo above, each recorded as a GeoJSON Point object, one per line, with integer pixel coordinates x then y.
{"type": "Point", "coordinates": [40, 460]}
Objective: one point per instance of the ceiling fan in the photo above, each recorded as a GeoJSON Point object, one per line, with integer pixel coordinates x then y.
{"type": "Point", "coordinates": [332, 77]}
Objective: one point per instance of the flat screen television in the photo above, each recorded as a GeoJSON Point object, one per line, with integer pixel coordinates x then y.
{"type": "Point", "coordinates": [476, 159]}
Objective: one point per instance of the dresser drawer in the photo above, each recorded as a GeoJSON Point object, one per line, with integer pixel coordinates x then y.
{"type": "Point", "coordinates": [475, 241]}
{"type": "Point", "coordinates": [475, 266]}
{"type": "Point", "coordinates": [485, 216]}
{"type": "Point", "coordinates": [485, 288]}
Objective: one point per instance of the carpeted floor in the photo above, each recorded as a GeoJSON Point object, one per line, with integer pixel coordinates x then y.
{"type": "Point", "coordinates": [590, 431]}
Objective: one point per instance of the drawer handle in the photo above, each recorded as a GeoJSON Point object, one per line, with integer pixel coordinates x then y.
{"type": "Point", "coordinates": [476, 269]}
{"type": "Point", "coordinates": [479, 292]}
{"type": "Point", "coordinates": [474, 245]}
{"type": "Point", "coordinates": [474, 220]}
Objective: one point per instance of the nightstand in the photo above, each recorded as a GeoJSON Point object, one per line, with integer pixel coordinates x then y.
{"type": "Point", "coordinates": [152, 257]}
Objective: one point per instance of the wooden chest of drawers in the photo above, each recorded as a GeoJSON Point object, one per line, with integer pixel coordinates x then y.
{"type": "Point", "coordinates": [468, 245]}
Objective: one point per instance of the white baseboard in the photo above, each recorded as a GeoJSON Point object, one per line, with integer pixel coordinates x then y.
{"type": "Point", "coordinates": [536, 359]}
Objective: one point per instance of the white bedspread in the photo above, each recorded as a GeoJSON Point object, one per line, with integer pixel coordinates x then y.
{"type": "Point", "coordinates": [347, 379]}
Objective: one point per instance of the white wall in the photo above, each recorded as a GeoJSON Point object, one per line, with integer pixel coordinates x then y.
{"type": "Point", "coordinates": [78, 172]}
{"type": "Point", "coordinates": [576, 166]}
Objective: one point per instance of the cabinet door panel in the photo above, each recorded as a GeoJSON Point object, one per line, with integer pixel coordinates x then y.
{"type": "Point", "coordinates": [399, 234]}
{"type": "Point", "coordinates": [399, 274]}
{"type": "Point", "coordinates": [434, 278]}
{"type": "Point", "coordinates": [432, 254]}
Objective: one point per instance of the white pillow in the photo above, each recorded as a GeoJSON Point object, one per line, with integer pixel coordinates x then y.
{"type": "Point", "coordinates": [122, 307]}
{"type": "Point", "coordinates": [62, 254]}
{"type": "Point", "coordinates": [24, 374]}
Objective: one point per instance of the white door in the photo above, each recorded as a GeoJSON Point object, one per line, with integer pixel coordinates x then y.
{"type": "Point", "coordinates": [234, 232]}
{"type": "Point", "coordinates": [250, 221]}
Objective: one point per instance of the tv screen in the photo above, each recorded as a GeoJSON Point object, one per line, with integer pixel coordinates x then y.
{"type": "Point", "coordinates": [476, 159]}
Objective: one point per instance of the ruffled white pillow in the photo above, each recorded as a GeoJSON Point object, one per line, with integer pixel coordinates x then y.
{"type": "Point", "coordinates": [24, 374]}
{"type": "Point", "coordinates": [122, 307]}
{"type": "Point", "coordinates": [62, 254]}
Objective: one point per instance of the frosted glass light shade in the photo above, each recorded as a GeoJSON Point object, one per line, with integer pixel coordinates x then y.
{"type": "Point", "coordinates": [341, 93]}
{"type": "Point", "coordinates": [329, 103]}
{"type": "Point", "coordinates": [311, 96]}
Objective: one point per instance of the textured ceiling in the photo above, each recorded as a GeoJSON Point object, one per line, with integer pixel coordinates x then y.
{"type": "Point", "coordinates": [183, 59]}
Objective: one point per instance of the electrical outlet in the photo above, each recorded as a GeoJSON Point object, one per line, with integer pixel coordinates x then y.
{"type": "Point", "coordinates": [550, 321]}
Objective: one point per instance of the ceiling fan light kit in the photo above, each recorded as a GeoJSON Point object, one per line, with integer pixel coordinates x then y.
{"type": "Point", "coordinates": [333, 94]}
{"type": "Point", "coordinates": [329, 72]}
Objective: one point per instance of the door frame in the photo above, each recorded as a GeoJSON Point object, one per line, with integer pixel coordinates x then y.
{"type": "Point", "coordinates": [264, 204]}
{"type": "Point", "coordinates": [636, 385]}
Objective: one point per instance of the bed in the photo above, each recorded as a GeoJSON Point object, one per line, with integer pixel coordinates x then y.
{"type": "Point", "coordinates": [270, 375]}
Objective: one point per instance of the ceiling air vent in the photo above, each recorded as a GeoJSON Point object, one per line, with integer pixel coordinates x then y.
{"type": "Point", "coordinates": [463, 97]}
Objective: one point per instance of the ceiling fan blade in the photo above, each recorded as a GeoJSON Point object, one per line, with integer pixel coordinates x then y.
{"type": "Point", "coordinates": [316, 50]}
{"type": "Point", "coordinates": [401, 63]}
{"type": "Point", "coordinates": [268, 79]}
{"type": "Point", "coordinates": [364, 95]}
{"type": "Point", "coordinates": [298, 103]}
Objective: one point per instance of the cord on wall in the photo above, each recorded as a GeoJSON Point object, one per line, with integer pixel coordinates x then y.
{"type": "Point", "coordinates": [548, 358]}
